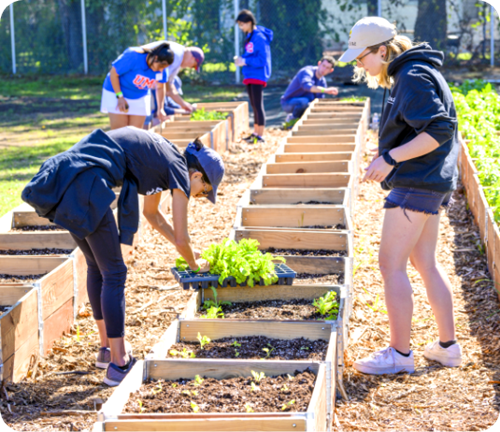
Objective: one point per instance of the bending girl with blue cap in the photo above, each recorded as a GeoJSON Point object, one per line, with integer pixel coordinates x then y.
{"type": "Point", "coordinates": [74, 190]}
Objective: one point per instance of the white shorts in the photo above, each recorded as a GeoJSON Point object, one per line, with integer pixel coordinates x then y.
{"type": "Point", "coordinates": [138, 107]}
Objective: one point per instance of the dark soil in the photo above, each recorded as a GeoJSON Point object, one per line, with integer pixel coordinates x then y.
{"type": "Point", "coordinates": [4, 309]}
{"type": "Point", "coordinates": [320, 279]}
{"type": "Point", "coordinates": [337, 227]}
{"type": "Point", "coordinates": [271, 394]}
{"type": "Point", "coordinates": [257, 347]}
{"type": "Point", "coordinates": [315, 203]}
{"type": "Point", "coordinates": [39, 228]}
{"type": "Point", "coordinates": [6, 278]}
{"type": "Point", "coordinates": [45, 251]}
{"type": "Point", "coordinates": [294, 309]}
{"type": "Point", "coordinates": [306, 252]}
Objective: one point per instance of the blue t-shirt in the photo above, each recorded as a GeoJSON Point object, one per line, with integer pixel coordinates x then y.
{"type": "Point", "coordinates": [302, 83]}
{"type": "Point", "coordinates": [136, 77]}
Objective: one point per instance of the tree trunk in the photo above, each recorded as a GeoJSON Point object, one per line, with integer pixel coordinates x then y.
{"type": "Point", "coordinates": [431, 24]}
{"type": "Point", "coordinates": [71, 21]}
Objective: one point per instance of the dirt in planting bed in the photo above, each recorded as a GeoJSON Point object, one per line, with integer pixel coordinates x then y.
{"type": "Point", "coordinates": [256, 347]}
{"type": "Point", "coordinates": [315, 203]}
{"type": "Point", "coordinates": [306, 252]}
{"type": "Point", "coordinates": [45, 251]}
{"type": "Point", "coordinates": [294, 309]}
{"type": "Point", "coordinates": [284, 393]}
{"type": "Point", "coordinates": [6, 278]}
{"type": "Point", "coordinates": [336, 227]}
{"type": "Point", "coordinates": [4, 309]}
{"type": "Point", "coordinates": [39, 228]}
{"type": "Point", "coordinates": [321, 279]}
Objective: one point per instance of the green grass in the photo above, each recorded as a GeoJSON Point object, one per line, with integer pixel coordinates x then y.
{"type": "Point", "coordinates": [33, 131]}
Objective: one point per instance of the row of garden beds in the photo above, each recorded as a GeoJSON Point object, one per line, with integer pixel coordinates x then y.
{"type": "Point", "coordinates": [274, 361]}
{"type": "Point", "coordinates": [43, 274]}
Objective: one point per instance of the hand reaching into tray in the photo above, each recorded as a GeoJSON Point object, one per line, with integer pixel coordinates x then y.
{"type": "Point", "coordinates": [203, 265]}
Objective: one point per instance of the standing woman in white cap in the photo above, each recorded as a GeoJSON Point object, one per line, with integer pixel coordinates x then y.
{"type": "Point", "coordinates": [417, 162]}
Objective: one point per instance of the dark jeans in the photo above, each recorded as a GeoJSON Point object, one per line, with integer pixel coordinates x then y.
{"type": "Point", "coordinates": [296, 106]}
{"type": "Point", "coordinates": [106, 275]}
{"type": "Point", "coordinates": [256, 96]}
{"type": "Point", "coordinates": [419, 200]}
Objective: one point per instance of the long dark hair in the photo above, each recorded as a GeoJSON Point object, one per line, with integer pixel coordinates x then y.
{"type": "Point", "coordinates": [193, 162]}
{"type": "Point", "coordinates": [246, 16]}
{"type": "Point", "coordinates": [161, 54]}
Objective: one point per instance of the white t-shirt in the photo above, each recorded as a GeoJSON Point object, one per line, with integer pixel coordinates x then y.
{"type": "Point", "coordinates": [178, 51]}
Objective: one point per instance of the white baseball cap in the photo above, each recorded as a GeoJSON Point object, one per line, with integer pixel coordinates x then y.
{"type": "Point", "coordinates": [368, 31]}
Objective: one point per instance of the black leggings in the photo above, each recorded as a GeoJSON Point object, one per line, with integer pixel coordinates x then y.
{"type": "Point", "coordinates": [256, 96]}
{"type": "Point", "coordinates": [106, 275]}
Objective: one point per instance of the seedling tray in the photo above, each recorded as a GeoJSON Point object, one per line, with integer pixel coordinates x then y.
{"type": "Point", "coordinates": [194, 280]}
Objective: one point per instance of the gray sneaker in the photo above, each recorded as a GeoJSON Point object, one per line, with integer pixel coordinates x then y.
{"type": "Point", "coordinates": [115, 375]}
{"type": "Point", "coordinates": [104, 356]}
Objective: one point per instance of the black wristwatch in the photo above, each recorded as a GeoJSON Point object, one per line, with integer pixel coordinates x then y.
{"type": "Point", "coordinates": [387, 157]}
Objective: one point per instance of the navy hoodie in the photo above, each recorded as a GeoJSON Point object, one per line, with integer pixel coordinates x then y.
{"type": "Point", "coordinates": [420, 101]}
{"type": "Point", "coordinates": [257, 54]}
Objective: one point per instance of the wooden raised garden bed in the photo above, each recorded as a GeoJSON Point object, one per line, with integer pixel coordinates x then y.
{"type": "Point", "coordinates": [112, 418]}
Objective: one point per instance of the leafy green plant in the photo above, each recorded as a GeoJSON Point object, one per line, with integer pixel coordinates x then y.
{"type": "Point", "coordinates": [157, 389]}
{"type": "Point", "coordinates": [213, 312]}
{"type": "Point", "coordinates": [249, 408]}
{"type": "Point", "coordinates": [184, 353]}
{"type": "Point", "coordinates": [198, 380]}
{"type": "Point", "coordinates": [141, 407]}
{"type": "Point", "coordinates": [202, 114]}
{"type": "Point", "coordinates": [204, 340]}
{"type": "Point", "coordinates": [195, 407]}
{"type": "Point", "coordinates": [285, 388]}
{"type": "Point", "coordinates": [242, 260]}
{"type": "Point", "coordinates": [290, 377]}
{"type": "Point", "coordinates": [254, 387]}
{"type": "Point", "coordinates": [236, 344]}
{"type": "Point", "coordinates": [327, 305]}
{"type": "Point", "coordinates": [268, 351]}
{"type": "Point", "coordinates": [258, 376]}
{"type": "Point", "coordinates": [287, 405]}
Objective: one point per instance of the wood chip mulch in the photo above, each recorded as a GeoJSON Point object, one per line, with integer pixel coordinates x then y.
{"type": "Point", "coordinates": [466, 398]}
{"type": "Point", "coordinates": [64, 388]}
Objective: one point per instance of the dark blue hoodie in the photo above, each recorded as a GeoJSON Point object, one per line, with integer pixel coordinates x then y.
{"type": "Point", "coordinates": [420, 101]}
{"type": "Point", "coordinates": [257, 54]}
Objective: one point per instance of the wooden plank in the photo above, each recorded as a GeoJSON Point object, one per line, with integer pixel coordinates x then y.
{"type": "Point", "coordinates": [329, 139]}
{"type": "Point", "coordinates": [296, 195]}
{"type": "Point", "coordinates": [24, 218]}
{"type": "Point", "coordinates": [291, 216]}
{"type": "Point", "coordinates": [323, 180]}
{"type": "Point", "coordinates": [36, 240]}
{"type": "Point", "coordinates": [319, 148]}
{"type": "Point", "coordinates": [80, 278]}
{"type": "Point", "coordinates": [490, 246]}
{"type": "Point", "coordinates": [161, 348]}
{"type": "Point", "coordinates": [332, 121]}
{"type": "Point", "coordinates": [482, 206]}
{"type": "Point", "coordinates": [19, 323]}
{"type": "Point", "coordinates": [57, 324]}
{"type": "Point", "coordinates": [308, 167]}
{"type": "Point", "coordinates": [203, 424]}
{"type": "Point", "coordinates": [285, 330]}
{"type": "Point", "coordinates": [315, 264]}
{"type": "Point", "coordinates": [496, 260]}
{"type": "Point", "coordinates": [173, 136]}
{"type": "Point", "coordinates": [310, 157]}
{"type": "Point", "coordinates": [317, 404]}
{"type": "Point", "coordinates": [11, 294]}
{"type": "Point", "coordinates": [16, 366]}
{"type": "Point", "coordinates": [320, 133]}
{"type": "Point", "coordinates": [25, 265]}
{"type": "Point", "coordinates": [222, 369]}
{"type": "Point", "coordinates": [303, 240]}
{"type": "Point", "coordinates": [57, 288]}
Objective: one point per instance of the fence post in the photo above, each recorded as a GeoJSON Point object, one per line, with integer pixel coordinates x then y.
{"type": "Point", "coordinates": [237, 38]}
{"type": "Point", "coordinates": [12, 38]}
{"type": "Point", "coordinates": [84, 37]}
{"type": "Point", "coordinates": [164, 7]}
{"type": "Point", "coordinates": [492, 37]}
{"type": "Point", "coordinates": [379, 8]}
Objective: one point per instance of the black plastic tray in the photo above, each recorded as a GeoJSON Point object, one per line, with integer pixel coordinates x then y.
{"type": "Point", "coordinates": [205, 280]}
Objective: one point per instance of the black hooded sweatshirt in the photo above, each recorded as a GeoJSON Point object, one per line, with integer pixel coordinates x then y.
{"type": "Point", "coordinates": [420, 101]}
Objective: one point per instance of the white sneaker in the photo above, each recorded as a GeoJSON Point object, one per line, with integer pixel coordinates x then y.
{"type": "Point", "coordinates": [386, 361]}
{"type": "Point", "coordinates": [451, 356]}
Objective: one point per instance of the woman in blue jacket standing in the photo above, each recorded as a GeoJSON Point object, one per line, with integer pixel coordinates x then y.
{"type": "Point", "coordinates": [126, 93]}
{"type": "Point", "coordinates": [256, 62]}
{"type": "Point", "coordinates": [417, 162]}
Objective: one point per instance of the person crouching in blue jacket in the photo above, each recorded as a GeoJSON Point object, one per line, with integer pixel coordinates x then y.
{"type": "Point", "coordinates": [256, 62]}
{"type": "Point", "coordinates": [74, 190]}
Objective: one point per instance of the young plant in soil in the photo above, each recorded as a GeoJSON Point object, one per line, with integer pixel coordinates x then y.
{"type": "Point", "coordinates": [202, 114]}
{"type": "Point", "coordinates": [204, 340]}
{"type": "Point", "coordinates": [213, 307]}
{"type": "Point", "coordinates": [184, 353]}
{"type": "Point", "coordinates": [327, 305]}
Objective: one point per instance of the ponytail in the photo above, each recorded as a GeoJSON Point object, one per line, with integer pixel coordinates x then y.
{"type": "Point", "coordinates": [162, 52]}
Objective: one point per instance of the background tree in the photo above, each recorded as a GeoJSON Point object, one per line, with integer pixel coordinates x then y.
{"type": "Point", "coordinates": [431, 24]}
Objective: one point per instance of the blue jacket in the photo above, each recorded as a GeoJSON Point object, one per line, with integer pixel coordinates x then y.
{"type": "Point", "coordinates": [420, 101]}
{"type": "Point", "coordinates": [302, 83]}
{"type": "Point", "coordinates": [257, 54]}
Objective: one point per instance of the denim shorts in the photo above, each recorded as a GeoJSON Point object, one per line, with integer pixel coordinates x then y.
{"type": "Point", "coordinates": [419, 200]}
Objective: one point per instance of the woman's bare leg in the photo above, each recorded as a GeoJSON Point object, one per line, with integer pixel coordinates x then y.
{"type": "Point", "coordinates": [259, 129]}
{"type": "Point", "coordinates": [118, 354]}
{"type": "Point", "coordinates": [118, 121]}
{"type": "Point", "coordinates": [437, 284]}
{"type": "Point", "coordinates": [400, 234]}
{"type": "Point", "coordinates": [137, 121]}
{"type": "Point", "coordinates": [102, 333]}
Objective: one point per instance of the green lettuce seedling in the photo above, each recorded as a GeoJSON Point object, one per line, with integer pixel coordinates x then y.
{"type": "Point", "coordinates": [258, 376]}
{"type": "Point", "coordinates": [327, 305]}
{"type": "Point", "coordinates": [204, 340]}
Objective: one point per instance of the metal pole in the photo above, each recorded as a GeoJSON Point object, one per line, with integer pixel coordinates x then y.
{"type": "Point", "coordinates": [164, 7]}
{"type": "Point", "coordinates": [237, 38]}
{"type": "Point", "coordinates": [12, 38]}
{"type": "Point", "coordinates": [84, 36]}
{"type": "Point", "coordinates": [492, 37]}
{"type": "Point", "coordinates": [379, 8]}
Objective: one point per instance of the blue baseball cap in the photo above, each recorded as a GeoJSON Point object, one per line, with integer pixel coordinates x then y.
{"type": "Point", "coordinates": [212, 164]}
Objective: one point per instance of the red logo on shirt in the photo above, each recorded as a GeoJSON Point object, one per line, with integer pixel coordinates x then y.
{"type": "Point", "coordinates": [249, 47]}
{"type": "Point", "coordinates": [142, 82]}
